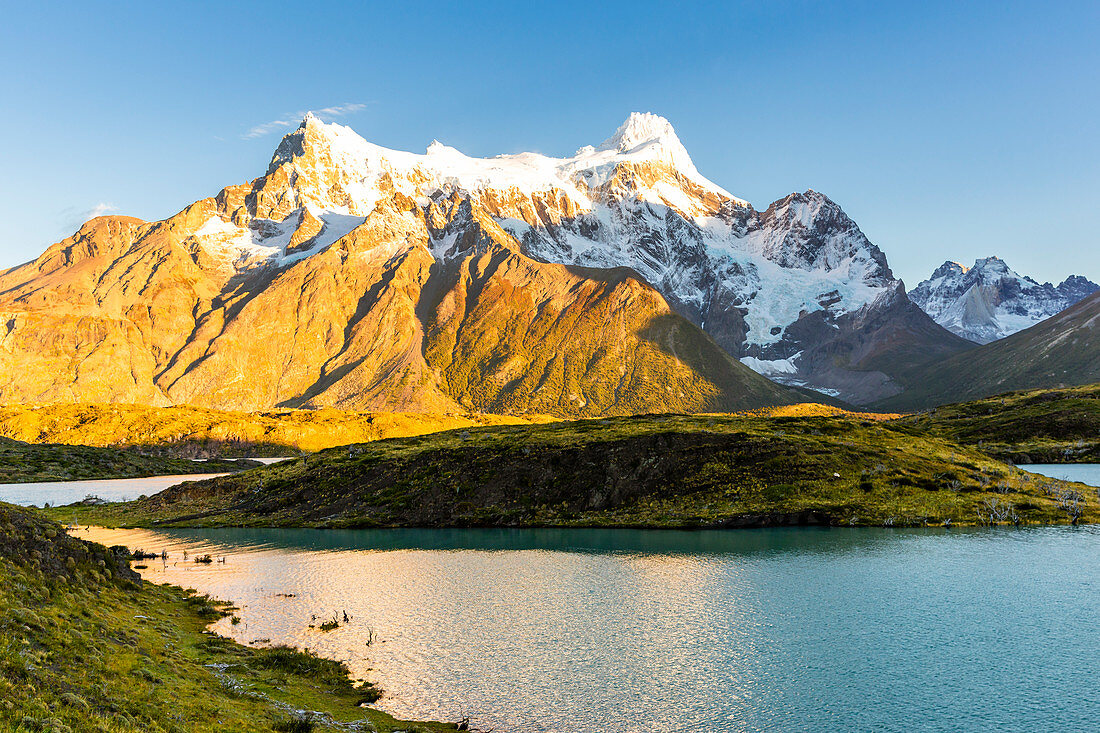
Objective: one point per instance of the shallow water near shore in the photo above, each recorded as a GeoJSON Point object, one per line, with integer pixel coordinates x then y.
{"type": "Point", "coordinates": [60, 493]}
{"type": "Point", "coordinates": [1086, 473]}
{"type": "Point", "coordinates": [635, 630]}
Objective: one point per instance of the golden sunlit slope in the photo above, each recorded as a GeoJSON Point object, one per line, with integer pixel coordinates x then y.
{"type": "Point", "coordinates": [816, 409]}
{"type": "Point", "coordinates": [200, 432]}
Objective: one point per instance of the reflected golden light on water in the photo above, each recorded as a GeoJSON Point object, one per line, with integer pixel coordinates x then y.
{"type": "Point", "coordinates": [437, 621]}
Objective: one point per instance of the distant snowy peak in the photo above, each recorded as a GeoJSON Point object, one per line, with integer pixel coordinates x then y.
{"type": "Point", "coordinates": [949, 269]}
{"type": "Point", "coordinates": [990, 300]}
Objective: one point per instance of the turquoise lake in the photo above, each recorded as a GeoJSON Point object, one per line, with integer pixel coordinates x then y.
{"type": "Point", "coordinates": [663, 631]}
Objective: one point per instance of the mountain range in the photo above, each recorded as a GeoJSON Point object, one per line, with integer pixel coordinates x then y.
{"type": "Point", "coordinates": [990, 301]}
{"type": "Point", "coordinates": [616, 280]}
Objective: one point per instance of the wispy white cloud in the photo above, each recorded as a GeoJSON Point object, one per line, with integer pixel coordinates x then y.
{"type": "Point", "coordinates": [100, 209]}
{"type": "Point", "coordinates": [289, 120]}
{"type": "Point", "coordinates": [73, 217]}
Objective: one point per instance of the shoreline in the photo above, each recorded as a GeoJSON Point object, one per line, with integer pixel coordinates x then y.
{"type": "Point", "coordinates": [100, 646]}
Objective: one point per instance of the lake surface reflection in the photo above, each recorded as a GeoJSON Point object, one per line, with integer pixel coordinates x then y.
{"type": "Point", "coordinates": [60, 493]}
{"type": "Point", "coordinates": [623, 630]}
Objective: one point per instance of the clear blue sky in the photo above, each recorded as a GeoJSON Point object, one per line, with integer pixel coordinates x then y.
{"type": "Point", "coordinates": [946, 132]}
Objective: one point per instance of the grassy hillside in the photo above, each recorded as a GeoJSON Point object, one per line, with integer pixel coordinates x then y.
{"type": "Point", "coordinates": [85, 646]}
{"type": "Point", "coordinates": [196, 432]}
{"type": "Point", "coordinates": [22, 462]}
{"type": "Point", "coordinates": [1063, 350]}
{"type": "Point", "coordinates": [1039, 426]}
{"type": "Point", "coordinates": [658, 471]}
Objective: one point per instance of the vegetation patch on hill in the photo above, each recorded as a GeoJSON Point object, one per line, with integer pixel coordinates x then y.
{"type": "Point", "coordinates": [86, 646]}
{"type": "Point", "coordinates": [22, 462]}
{"type": "Point", "coordinates": [1037, 426]}
{"type": "Point", "coordinates": [650, 471]}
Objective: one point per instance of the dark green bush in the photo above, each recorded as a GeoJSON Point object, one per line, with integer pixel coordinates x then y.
{"type": "Point", "coordinates": [296, 724]}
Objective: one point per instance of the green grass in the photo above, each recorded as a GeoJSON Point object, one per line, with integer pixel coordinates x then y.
{"type": "Point", "coordinates": [24, 462]}
{"type": "Point", "coordinates": [648, 471]}
{"type": "Point", "coordinates": [84, 647]}
{"type": "Point", "coordinates": [1038, 426]}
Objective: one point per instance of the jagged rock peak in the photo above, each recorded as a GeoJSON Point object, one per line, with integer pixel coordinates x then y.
{"type": "Point", "coordinates": [1078, 287]}
{"type": "Point", "coordinates": [809, 230]}
{"type": "Point", "coordinates": [806, 205]}
{"type": "Point", "coordinates": [950, 269]}
{"type": "Point", "coordinates": [990, 301]}
{"type": "Point", "coordinates": [994, 267]}
{"type": "Point", "coordinates": [315, 133]}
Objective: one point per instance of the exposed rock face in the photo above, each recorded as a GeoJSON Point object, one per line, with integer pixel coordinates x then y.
{"type": "Point", "coordinates": [356, 276]}
{"type": "Point", "coordinates": [877, 350]}
{"type": "Point", "coordinates": [989, 301]}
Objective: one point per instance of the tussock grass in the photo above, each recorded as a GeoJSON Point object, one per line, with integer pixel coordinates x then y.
{"type": "Point", "coordinates": [1036, 426]}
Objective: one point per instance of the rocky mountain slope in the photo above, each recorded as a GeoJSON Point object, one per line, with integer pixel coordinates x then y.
{"type": "Point", "coordinates": [989, 301]}
{"type": "Point", "coordinates": [354, 276]}
{"type": "Point", "coordinates": [266, 296]}
{"type": "Point", "coordinates": [1063, 350]}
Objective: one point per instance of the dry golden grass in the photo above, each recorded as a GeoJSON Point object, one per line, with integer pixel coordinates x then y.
{"type": "Point", "coordinates": [201, 432]}
{"type": "Point", "coordinates": [815, 409]}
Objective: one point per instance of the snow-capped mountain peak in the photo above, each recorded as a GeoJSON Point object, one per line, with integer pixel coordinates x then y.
{"type": "Point", "coordinates": [770, 286]}
{"type": "Point", "coordinates": [649, 135]}
{"type": "Point", "coordinates": [990, 300]}
{"type": "Point", "coordinates": [994, 267]}
{"type": "Point", "coordinates": [640, 128]}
